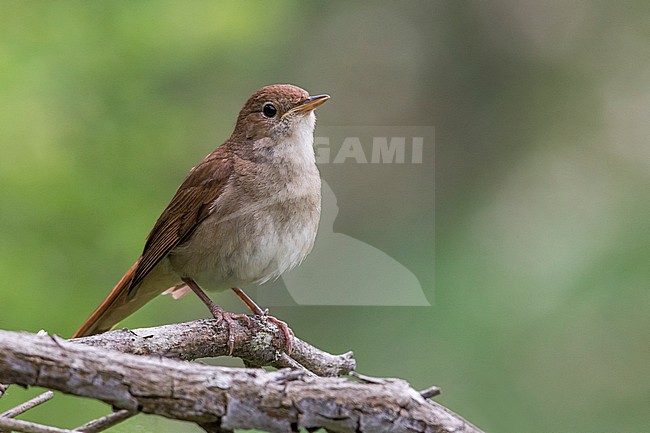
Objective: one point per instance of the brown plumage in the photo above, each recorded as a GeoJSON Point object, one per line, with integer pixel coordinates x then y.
{"type": "Point", "coordinates": [248, 212]}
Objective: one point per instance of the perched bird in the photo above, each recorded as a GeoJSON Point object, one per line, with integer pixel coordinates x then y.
{"type": "Point", "coordinates": [244, 215]}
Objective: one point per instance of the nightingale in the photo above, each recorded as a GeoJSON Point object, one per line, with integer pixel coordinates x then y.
{"type": "Point", "coordinates": [244, 215]}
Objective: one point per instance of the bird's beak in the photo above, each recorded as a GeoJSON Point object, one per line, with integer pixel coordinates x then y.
{"type": "Point", "coordinates": [308, 105]}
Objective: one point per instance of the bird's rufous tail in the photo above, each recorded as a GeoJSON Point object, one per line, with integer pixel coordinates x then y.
{"type": "Point", "coordinates": [114, 308]}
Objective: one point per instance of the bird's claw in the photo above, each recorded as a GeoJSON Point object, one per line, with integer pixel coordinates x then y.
{"type": "Point", "coordinates": [284, 328]}
{"type": "Point", "coordinates": [230, 318]}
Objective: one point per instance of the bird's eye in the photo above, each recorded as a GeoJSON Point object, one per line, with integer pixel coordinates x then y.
{"type": "Point", "coordinates": [269, 110]}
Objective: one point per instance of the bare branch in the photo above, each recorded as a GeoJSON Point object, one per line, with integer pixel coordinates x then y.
{"type": "Point", "coordinates": [94, 426]}
{"type": "Point", "coordinates": [105, 422]}
{"type": "Point", "coordinates": [432, 391]}
{"type": "Point", "coordinates": [24, 407]}
{"type": "Point", "coordinates": [10, 424]}
{"type": "Point", "coordinates": [218, 398]}
{"type": "Point", "coordinates": [258, 344]}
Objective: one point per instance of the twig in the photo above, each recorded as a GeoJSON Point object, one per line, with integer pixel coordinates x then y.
{"type": "Point", "coordinates": [289, 362]}
{"type": "Point", "coordinates": [220, 398]}
{"type": "Point", "coordinates": [367, 379]}
{"type": "Point", "coordinates": [10, 424]}
{"type": "Point", "coordinates": [105, 422]}
{"type": "Point", "coordinates": [24, 407]}
{"type": "Point", "coordinates": [432, 391]}
{"type": "Point", "coordinates": [256, 343]}
{"type": "Point", "coordinates": [94, 426]}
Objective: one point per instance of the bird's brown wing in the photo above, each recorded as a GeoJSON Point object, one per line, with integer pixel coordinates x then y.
{"type": "Point", "coordinates": [190, 205]}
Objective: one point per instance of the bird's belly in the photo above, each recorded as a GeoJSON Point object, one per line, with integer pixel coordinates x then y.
{"type": "Point", "coordinates": [252, 247]}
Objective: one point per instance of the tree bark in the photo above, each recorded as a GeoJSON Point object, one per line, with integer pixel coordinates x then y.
{"type": "Point", "coordinates": [217, 398]}
{"type": "Point", "coordinates": [258, 343]}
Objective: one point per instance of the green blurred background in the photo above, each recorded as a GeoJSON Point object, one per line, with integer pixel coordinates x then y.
{"type": "Point", "coordinates": [540, 270]}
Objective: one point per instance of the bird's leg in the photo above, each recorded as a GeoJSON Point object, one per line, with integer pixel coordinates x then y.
{"type": "Point", "coordinates": [250, 303]}
{"type": "Point", "coordinates": [286, 331]}
{"type": "Point", "coordinates": [218, 312]}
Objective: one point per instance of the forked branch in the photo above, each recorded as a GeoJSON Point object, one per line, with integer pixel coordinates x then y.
{"type": "Point", "coordinates": [259, 343]}
{"type": "Point", "coordinates": [217, 398]}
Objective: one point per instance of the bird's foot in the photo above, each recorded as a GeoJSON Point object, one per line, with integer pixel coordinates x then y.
{"type": "Point", "coordinates": [286, 331]}
{"type": "Point", "coordinates": [222, 315]}
{"type": "Point", "coordinates": [284, 328]}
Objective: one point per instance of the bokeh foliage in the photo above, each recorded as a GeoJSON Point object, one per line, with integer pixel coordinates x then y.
{"type": "Point", "coordinates": [539, 273]}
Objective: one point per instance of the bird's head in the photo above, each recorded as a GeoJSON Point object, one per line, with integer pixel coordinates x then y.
{"type": "Point", "coordinates": [278, 111]}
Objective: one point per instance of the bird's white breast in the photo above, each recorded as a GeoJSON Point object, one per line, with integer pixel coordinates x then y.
{"type": "Point", "coordinates": [255, 237]}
